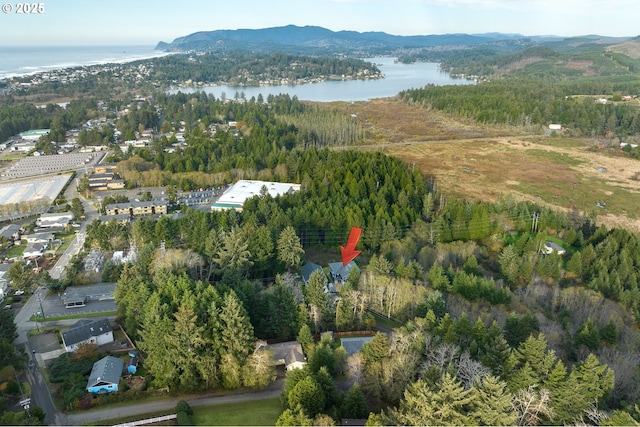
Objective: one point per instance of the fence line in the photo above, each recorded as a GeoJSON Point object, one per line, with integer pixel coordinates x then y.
{"type": "Point", "coordinates": [148, 421]}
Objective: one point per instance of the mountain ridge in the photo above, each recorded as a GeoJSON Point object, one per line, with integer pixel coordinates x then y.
{"type": "Point", "coordinates": [319, 38]}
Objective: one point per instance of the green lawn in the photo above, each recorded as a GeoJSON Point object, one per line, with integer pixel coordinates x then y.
{"type": "Point", "coordinates": [74, 316]}
{"type": "Point", "coordinates": [15, 251]}
{"type": "Point", "coordinates": [254, 413]}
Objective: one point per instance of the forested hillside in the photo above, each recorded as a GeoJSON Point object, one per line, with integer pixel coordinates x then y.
{"type": "Point", "coordinates": [525, 102]}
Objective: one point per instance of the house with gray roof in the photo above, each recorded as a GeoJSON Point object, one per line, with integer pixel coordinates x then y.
{"type": "Point", "coordinates": [308, 269]}
{"type": "Point", "coordinates": [105, 375]}
{"type": "Point", "coordinates": [33, 250]}
{"type": "Point", "coordinates": [11, 232]}
{"type": "Point", "coordinates": [288, 354]}
{"type": "Point", "coordinates": [340, 272]}
{"type": "Point", "coordinates": [551, 247]}
{"type": "Point", "coordinates": [86, 331]}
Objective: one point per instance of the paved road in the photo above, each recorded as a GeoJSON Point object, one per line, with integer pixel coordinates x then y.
{"type": "Point", "coordinates": [40, 393]}
{"type": "Point", "coordinates": [273, 391]}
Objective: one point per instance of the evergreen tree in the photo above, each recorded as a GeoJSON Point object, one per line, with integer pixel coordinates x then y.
{"type": "Point", "coordinates": [317, 300]}
{"type": "Point", "coordinates": [290, 250]}
{"type": "Point", "coordinates": [588, 336]}
{"type": "Point", "coordinates": [236, 332]}
{"type": "Point", "coordinates": [445, 403]}
{"type": "Point", "coordinates": [294, 417]}
{"type": "Point", "coordinates": [305, 338]}
{"type": "Point", "coordinates": [493, 403]}
{"type": "Point", "coordinates": [307, 394]}
{"type": "Point", "coordinates": [354, 404]}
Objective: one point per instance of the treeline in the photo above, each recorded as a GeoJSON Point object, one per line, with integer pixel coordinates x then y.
{"type": "Point", "coordinates": [567, 59]}
{"type": "Point", "coordinates": [476, 60]}
{"type": "Point", "coordinates": [340, 190]}
{"type": "Point", "coordinates": [20, 117]}
{"type": "Point", "coordinates": [240, 69]}
{"type": "Point", "coordinates": [524, 102]}
{"type": "Point", "coordinates": [267, 131]}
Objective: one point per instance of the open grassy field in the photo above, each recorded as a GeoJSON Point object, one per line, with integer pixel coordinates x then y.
{"type": "Point", "coordinates": [254, 413]}
{"type": "Point", "coordinates": [484, 163]}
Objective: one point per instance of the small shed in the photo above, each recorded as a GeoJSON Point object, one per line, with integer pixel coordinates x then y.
{"type": "Point", "coordinates": [132, 365]}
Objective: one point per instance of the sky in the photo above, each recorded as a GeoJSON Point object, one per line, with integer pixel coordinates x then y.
{"type": "Point", "coordinates": [146, 22]}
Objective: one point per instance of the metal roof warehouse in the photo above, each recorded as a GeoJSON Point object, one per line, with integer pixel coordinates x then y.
{"type": "Point", "coordinates": [235, 196]}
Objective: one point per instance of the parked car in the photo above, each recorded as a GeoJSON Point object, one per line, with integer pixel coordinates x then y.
{"type": "Point", "coordinates": [19, 292]}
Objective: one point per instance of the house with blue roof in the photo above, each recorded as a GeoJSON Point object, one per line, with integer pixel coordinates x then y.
{"type": "Point", "coordinates": [105, 375]}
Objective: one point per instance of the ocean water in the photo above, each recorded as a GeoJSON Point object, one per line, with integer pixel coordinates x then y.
{"type": "Point", "coordinates": [25, 60]}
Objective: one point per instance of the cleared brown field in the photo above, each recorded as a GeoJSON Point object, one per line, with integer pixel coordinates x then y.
{"type": "Point", "coordinates": [484, 163]}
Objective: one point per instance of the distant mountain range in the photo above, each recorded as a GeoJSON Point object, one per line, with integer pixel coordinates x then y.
{"type": "Point", "coordinates": [311, 39]}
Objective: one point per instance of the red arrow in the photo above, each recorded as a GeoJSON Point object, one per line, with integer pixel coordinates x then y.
{"type": "Point", "coordinates": [349, 253]}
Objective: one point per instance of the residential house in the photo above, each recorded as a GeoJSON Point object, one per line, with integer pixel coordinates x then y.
{"type": "Point", "coordinates": [105, 375]}
{"type": "Point", "coordinates": [42, 238]}
{"type": "Point", "coordinates": [550, 247]}
{"type": "Point", "coordinates": [340, 273]}
{"type": "Point", "coordinates": [11, 232]}
{"type": "Point", "coordinates": [288, 354]}
{"type": "Point", "coordinates": [86, 332]}
{"type": "Point", "coordinates": [308, 269]}
{"type": "Point", "coordinates": [33, 250]}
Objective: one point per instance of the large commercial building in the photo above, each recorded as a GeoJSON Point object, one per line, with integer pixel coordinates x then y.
{"type": "Point", "coordinates": [235, 196]}
{"type": "Point", "coordinates": [137, 208]}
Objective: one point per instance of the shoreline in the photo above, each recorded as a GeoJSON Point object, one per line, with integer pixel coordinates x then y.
{"type": "Point", "coordinates": [110, 58]}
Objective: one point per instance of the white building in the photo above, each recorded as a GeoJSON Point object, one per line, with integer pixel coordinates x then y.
{"type": "Point", "coordinates": [52, 220]}
{"type": "Point", "coordinates": [235, 196]}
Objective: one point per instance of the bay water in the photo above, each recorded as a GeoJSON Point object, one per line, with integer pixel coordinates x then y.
{"type": "Point", "coordinates": [397, 77]}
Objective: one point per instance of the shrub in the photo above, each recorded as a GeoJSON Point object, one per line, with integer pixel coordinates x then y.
{"type": "Point", "coordinates": [65, 365]}
{"type": "Point", "coordinates": [183, 406]}
{"type": "Point", "coordinates": [86, 402]}
{"type": "Point", "coordinates": [183, 419]}
{"type": "Point", "coordinates": [13, 387]}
